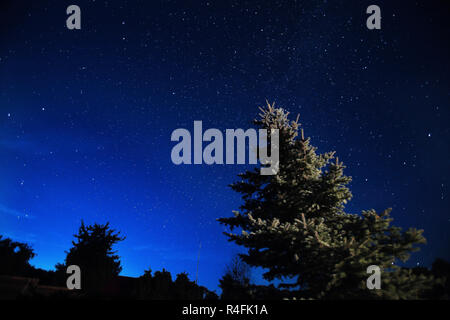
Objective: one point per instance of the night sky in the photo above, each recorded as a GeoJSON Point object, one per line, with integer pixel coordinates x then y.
{"type": "Point", "coordinates": [86, 116]}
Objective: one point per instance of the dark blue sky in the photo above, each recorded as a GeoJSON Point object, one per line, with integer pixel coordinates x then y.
{"type": "Point", "coordinates": [86, 116]}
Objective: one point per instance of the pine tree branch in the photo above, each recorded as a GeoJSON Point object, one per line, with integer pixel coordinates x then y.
{"type": "Point", "coordinates": [304, 221]}
{"type": "Point", "coordinates": [320, 241]}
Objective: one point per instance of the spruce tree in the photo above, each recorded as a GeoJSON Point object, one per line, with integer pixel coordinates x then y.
{"type": "Point", "coordinates": [294, 225]}
{"type": "Point", "coordinates": [93, 253]}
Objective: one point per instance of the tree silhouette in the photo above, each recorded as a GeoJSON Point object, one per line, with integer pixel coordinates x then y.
{"type": "Point", "coordinates": [161, 284]}
{"type": "Point", "coordinates": [161, 287]}
{"type": "Point", "coordinates": [14, 257]}
{"type": "Point", "coordinates": [441, 270]}
{"type": "Point", "coordinates": [235, 283]}
{"type": "Point", "coordinates": [93, 252]}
